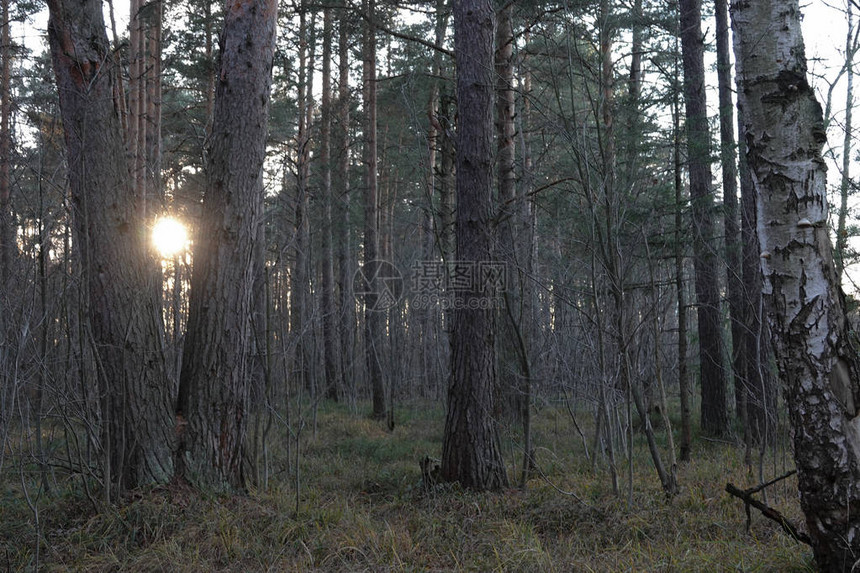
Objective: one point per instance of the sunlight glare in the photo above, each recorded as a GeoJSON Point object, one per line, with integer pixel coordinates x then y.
{"type": "Point", "coordinates": [169, 236]}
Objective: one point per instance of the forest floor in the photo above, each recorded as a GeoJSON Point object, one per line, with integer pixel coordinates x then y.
{"type": "Point", "coordinates": [362, 507]}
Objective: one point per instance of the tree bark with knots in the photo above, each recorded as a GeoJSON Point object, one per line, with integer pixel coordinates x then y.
{"type": "Point", "coordinates": [818, 361]}
{"type": "Point", "coordinates": [214, 383]}
{"type": "Point", "coordinates": [124, 315]}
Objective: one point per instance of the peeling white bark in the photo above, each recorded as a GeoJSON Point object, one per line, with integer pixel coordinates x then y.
{"type": "Point", "coordinates": [818, 366]}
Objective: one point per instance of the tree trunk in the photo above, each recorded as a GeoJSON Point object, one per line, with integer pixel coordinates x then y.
{"type": "Point", "coordinates": [714, 408]}
{"type": "Point", "coordinates": [728, 161]}
{"type": "Point", "coordinates": [124, 314]}
{"type": "Point", "coordinates": [214, 384]}
{"type": "Point", "coordinates": [470, 452]}
{"type": "Point", "coordinates": [152, 157]}
{"type": "Point", "coordinates": [509, 392]}
{"type": "Point", "coordinates": [845, 182]}
{"type": "Point", "coordinates": [373, 318]}
{"type": "Point", "coordinates": [759, 396]}
{"type": "Point", "coordinates": [680, 290]}
{"type": "Point", "coordinates": [430, 315]}
{"type": "Point", "coordinates": [329, 311]}
{"type": "Point", "coordinates": [209, 55]}
{"type": "Point", "coordinates": [144, 102]}
{"type": "Point", "coordinates": [136, 137]}
{"type": "Point", "coordinates": [341, 184]}
{"type": "Point", "coordinates": [7, 234]}
{"type": "Point", "coordinates": [446, 180]}
{"type": "Point", "coordinates": [818, 366]}
{"type": "Point", "coordinates": [299, 324]}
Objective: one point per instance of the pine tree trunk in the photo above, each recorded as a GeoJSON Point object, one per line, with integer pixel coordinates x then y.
{"type": "Point", "coordinates": [818, 365]}
{"type": "Point", "coordinates": [728, 161]}
{"type": "Point", "coordinates": [510, 392]}
{"type": "Point", "coordinates": [714, 407]}
{"type": "Point", "coordinates": [373, 318]}
{"type": "Point", "coordinates": [328, 303]}
{"type": "Point", "coordinates": [341, 185]}
{"type": "Point", "coordinates": [124, 318]}
{"type": "Point", "coordinates": [680, 289]}
{"type": "Point", "coordinates": [152, 156]}
{"type": "Point", "coordinates": [136, 102]}
{"type": "Point", "coordinates": [300, 327]}
{"type": "Point", "coordinates": [7, 233]}
{"type": "Point", "coordinates": [214, 383]}
{"type": "Point", "coordinates": [209, 56]}
{"type": "Point", "coordinates": [470, 452]}
{"type": "Point", "coordinates": [430, 316]}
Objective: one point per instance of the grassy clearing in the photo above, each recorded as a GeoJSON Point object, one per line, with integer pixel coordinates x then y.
{"type": "Point", "coordinates": [361, 508]}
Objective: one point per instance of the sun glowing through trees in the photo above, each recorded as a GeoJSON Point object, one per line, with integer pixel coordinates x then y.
{"type": "Point", "coordinates": [169, 237]}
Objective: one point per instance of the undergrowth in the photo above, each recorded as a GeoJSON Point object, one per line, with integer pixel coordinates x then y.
{"type": "Point", "coordinates": [362, 507]}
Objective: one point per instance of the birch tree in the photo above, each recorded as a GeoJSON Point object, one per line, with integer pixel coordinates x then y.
{"type": "Point", "coordinates": [818, 364]}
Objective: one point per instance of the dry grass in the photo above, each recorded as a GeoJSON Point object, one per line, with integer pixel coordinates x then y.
{"type": "Point", "coordinates": [361, 508]}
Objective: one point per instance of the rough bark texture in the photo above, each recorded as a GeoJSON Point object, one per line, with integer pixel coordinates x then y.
{"type": "Point", "coordinates": [714, 409]}
{"type": "Point", "coordinates": [470, 450]}
{"type": "Point", "coordinates": [214, 383]}
{"type": "Point", "coordinates": [818, 367]}
{"type": "Point", "coordinates": [124, 319]}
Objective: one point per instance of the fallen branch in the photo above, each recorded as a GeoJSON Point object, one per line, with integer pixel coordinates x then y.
{"type": "Point", "coordinates": [767, 511]}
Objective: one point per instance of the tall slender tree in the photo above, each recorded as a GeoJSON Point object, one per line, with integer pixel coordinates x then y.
{"type": "Point", "coordinates": [6, 232]}
{"type": "Point", "coordinates": [470, 452]}
{"type": "Point", "coordinates": [373, 318]}
{"type": "Point", "coordinates": [340, 184]}
{"type": "Point", "coordinates": [847, 141]}
{"type": "Point", "coordinates": [729, 170]}
{"type": "Point", "coordinates": [299, 288]}
{"type": "Point", "coordinates": [328, 299]}
{"type": "Point", "coordinates": [509, 392]}
{"type": "Point", "coordinates": [714, 407]}
{"type": "Point", "coordinates": [214, 382]}
{"type": "Point", "coordinates": [680, 289]}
